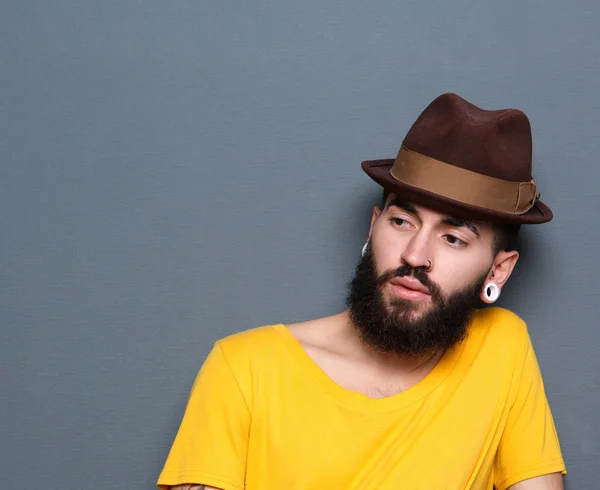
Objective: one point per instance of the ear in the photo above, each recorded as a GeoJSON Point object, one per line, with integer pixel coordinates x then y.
{"type": "Point", "coordinates": [376, 213]}
{"type": "Point", "coordinates": [504, 264]}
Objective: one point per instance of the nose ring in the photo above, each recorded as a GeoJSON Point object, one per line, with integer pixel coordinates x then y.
{"type": "Point", "coordinates": [428, 268]}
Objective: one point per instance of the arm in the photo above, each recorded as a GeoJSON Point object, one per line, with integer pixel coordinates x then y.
{"type": "Point", "coordinates": [553, 481]}
{"type": "Point", "coordinates": [211, 443]}
{"type": "Point", "coordinates": [192, 487]}
{"type": "Point", "coordinates": [528, 456]}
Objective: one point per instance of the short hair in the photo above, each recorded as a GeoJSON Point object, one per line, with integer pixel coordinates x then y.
{"type": "Point", "coordinates": [505, 235]}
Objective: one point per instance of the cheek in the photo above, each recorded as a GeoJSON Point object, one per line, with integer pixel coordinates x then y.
{"type": "Point", "coordinates": [387, 251]}
{"type": "Point", "coordinates": [384, 260]}
{"type": "Point", "coordinates": [455, 271]}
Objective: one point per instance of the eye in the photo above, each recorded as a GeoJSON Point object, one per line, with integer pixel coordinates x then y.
{"type": "Point", "coordinates": [455, 241]}
{"type": "Point", "coordinates": [402, 223]}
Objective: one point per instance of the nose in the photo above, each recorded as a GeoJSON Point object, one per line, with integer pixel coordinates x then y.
{"type": "Point", "coordinates": [418, 251]}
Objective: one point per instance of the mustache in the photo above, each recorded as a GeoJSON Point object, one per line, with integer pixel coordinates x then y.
{"type": "Point", "coordinates": [417, 272]}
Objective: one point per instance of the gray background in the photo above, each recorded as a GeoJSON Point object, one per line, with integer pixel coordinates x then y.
{"type": "Point", "coordinates": [172, 172]}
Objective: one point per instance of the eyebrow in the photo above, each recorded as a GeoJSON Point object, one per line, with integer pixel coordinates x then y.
{"type": "Point", "coordinates": [399, 203]}
{"type": "Point", "coordinates": [449, 220]}
{"type": "Point", "coordinates": [453, 221]}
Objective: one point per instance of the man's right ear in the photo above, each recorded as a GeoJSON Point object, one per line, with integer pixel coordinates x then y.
{"type": "Point", "coordinates": [376, 213]}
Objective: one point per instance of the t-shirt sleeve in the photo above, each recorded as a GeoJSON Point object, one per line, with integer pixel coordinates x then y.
{"type": "Point", "coordinates": [529, 445]}
{"type": "Point", "coordinates": [211, 445]}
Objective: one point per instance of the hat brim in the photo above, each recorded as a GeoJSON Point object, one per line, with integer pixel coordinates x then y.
{"type": "Point", "coordinates": [379, 171]}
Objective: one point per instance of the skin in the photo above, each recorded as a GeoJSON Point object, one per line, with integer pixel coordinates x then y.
{"type": "Point", "coordinates": [553, 481]}
{"type": "Point", "coordinates": [187, 486]}
{"type": "Point", "coordinates": [459, 251]}
{"type": "Point", "coordinates": [403, 233]}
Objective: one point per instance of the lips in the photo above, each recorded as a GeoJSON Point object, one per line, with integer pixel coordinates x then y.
{"type": "Point", "coordinates": [410, 283]}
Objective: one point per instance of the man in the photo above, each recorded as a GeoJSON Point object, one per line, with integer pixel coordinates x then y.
{"type": "Point", "coordinates": [413, 387]}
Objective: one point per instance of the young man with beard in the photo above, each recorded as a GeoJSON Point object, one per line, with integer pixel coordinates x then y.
{"type": "Point", "coordinates": [413, 387]}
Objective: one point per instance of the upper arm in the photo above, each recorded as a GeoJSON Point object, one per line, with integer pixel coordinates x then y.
{"type": "Point", "coordinates": [529, 446]}
{"type": "Point", "coordinates": [212, 441]}
{"type": "Point", "coordinates": [553, 481]}
{"type": "Point", "coordinates": [193, 487]}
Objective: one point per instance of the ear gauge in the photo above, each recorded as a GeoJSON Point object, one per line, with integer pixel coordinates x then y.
{"type": "Point", "coordinates": [364, 249]}
{"type": "Point", "coordinates": [491, 292]}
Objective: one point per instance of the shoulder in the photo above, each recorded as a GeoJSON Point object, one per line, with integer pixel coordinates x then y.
{"type": "Point", "coordinates": [248, 356]}
{"type": "Point", "coordinates": [495, 350]}
{"type": "Point", "coordinates": [499, 323]}
{"type": "Point", "coordinates": [253, 342]}
{"type": "Point", "coordinates": [497, 332]}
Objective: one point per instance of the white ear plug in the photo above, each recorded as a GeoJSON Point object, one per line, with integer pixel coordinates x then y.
{"type": "Point", "coordinates": [491, 292]}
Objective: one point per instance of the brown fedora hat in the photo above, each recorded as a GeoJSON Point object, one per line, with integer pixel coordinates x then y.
{"type": "Point", "coordinates": [466, 161]}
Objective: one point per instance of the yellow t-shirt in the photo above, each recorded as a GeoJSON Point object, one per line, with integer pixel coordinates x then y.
{"type": "Point", "coordinates": [263, 416]}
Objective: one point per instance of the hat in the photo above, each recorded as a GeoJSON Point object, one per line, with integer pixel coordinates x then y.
{"type": "Point", "coordinates": [466, 161]}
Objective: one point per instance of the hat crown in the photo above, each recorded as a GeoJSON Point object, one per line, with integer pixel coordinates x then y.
{"type": "Point", "coordinates": [496, 143]}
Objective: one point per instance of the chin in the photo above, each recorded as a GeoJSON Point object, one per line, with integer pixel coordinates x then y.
{"type": "Point", "coordinates": [411, 311]}
{"type": "Point", "coordinates": [414, 315]}
{"type": "Point", "coordinates": [394, 301]}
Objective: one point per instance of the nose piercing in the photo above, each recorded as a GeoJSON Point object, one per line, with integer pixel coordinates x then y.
{"type": "Point", "coordinates": [428, 268]}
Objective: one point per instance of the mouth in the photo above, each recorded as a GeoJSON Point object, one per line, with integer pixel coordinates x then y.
{"type": "Point", "coordinates": [409, 288]}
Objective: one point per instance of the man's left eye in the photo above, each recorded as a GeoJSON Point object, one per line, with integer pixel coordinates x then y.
{"type": "Point", "coordinates": [455, 241]}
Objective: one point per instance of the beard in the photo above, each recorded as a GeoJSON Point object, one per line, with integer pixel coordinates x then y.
{"type": "Point", "coordinates": [400, 327]}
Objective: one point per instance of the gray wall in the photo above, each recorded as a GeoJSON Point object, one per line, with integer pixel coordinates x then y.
{"type": "Point", "coordinates": [172, 172]}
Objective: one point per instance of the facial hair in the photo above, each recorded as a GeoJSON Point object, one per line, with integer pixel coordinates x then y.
{"type": "Point", "coordinates": [389, 327]}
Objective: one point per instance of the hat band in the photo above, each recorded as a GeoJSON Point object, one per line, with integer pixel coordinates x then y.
{"type": "Point", "coordinates": [459, 184]}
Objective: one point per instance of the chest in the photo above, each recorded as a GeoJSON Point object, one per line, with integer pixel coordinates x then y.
{"type": "Point", "coordinates": [422, 447]}
{"type": "Point", "coordinates": [370, 379]}
{"type": "Point", "coordinates": [304, 438]}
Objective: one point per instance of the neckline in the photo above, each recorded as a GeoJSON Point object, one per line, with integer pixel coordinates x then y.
{"type": "Point", "coordinates": [359, 400]}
